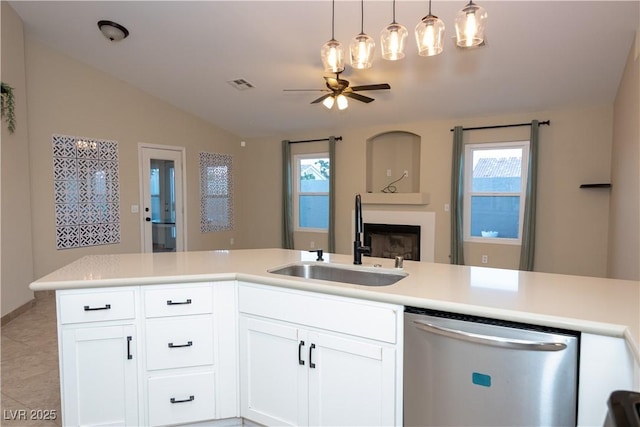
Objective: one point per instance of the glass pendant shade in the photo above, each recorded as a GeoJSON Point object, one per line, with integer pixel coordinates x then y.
{"type": "Point", "coordinates": [470, 24]}
{"type": "Point", "coordinates": [430, 36]}
{"type": "Point", "coordinates": [342, 102]}
{"type": "Point", "coordinates": [332, 56]}
{"type": "Point", "coordinates": [328, 102]}
{"type": "Point", "coordinates": [392, 41]}
{"type": "Point", "coordinates": [361, 49]}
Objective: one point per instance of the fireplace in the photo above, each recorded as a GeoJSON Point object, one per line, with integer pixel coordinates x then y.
{"type": "Point", "coordinates": [391, 240]}
{"type": "Point", "coordinates": [426, 220]}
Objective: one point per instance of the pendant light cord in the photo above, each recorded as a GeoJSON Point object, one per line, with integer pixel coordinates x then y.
{"type": "Point", "coordinates": [394, 12]}
{"type": "Point", "coordinates": [361, 16]}
{"type": "Point", "coordinates": [429, 7]}
{"type": "Point", "coordinates": [333, 18]}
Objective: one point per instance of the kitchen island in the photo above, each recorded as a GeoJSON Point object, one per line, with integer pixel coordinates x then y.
{"type": "Point", "coordinates": [605, 311]}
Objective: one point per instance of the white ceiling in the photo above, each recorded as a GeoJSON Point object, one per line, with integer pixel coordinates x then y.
{"type": "Point", "coordinates": [539, 55]}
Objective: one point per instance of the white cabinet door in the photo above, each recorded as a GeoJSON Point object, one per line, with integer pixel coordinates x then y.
{"type": "Point", "coordinates": [273, 378]}
{"type": "Point", "coordinates": [351, 382]}
{"type": "Point", "coordinates": [99, 376]}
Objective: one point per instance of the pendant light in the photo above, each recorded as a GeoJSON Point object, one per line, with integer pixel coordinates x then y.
{"type": "Point", "coordinates": [470, 23]}
{"type": "Point", "coordinates": [430, 35]}
{"type": "Point", "coordinates": [361, 48]}
{"type": "Point", "coordinates": [331, 53]}
{"type": "Point", "coordinates": [392, 39]}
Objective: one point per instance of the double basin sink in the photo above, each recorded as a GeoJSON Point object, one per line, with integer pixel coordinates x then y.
{"type": "Point", "coordinates": [340, 273]}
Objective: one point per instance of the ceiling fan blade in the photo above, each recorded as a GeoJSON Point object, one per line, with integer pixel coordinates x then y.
{"type": "Point", "coordinates": [304, 90]}
{"type": "Point", "coordinates": [358, 97]}
{"type": "Point", "coordinates": [372, 87]}
{"type": "Point", "coordinates": [322, 98]}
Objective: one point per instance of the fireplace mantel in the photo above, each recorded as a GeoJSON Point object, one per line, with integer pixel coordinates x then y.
{"type": "Point", "coordinates": [395, 198]}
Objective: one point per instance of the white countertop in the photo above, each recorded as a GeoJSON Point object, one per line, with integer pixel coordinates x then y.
{"type": "Point", "coordinates": [588, 304]}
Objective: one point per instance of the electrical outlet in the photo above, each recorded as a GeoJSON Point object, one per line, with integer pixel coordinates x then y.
{"type": "Point", "coordinates": [312, 244]}
{"type": "Point", "coordinates": [232, 241]}
{"type": "Point", "coordinates": [388, 172]}
{"type": "Point", "coordinates": [485, 259]}
{"type": "Point", "coordinates": [446, 207]}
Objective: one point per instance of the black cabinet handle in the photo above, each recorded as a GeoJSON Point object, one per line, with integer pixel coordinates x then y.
{"type": "Point", "coordinates": [169, 302]}
{"type": "Point", "coordinates": [106, 307]}
{"type": "Point", "coordinates": [190, 399]}
{"type": "Point", "coordinates": [311, 364]}
{"type": "Point", "coordinates": [188, 344]}
{"type": "Point", "coordinates": [129, 355]}
{"type": "Point", "coordinates": [300, 361]}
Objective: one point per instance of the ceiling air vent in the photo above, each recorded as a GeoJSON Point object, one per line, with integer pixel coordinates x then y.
{"type": "Point", "coordinates": [241, 84]}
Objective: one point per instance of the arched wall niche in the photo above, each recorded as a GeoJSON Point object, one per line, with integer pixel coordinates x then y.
{"type": "Point", "coordinates": [389, 155]}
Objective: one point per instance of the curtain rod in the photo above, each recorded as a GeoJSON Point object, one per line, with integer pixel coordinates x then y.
{"type": "Point", "coordinates": [546, 122]}
{"type": "Point", "coordinates": [337, 138]}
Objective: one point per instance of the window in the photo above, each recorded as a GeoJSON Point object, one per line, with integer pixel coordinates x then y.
{"type": "Point", "coordinates": [311, 192]}
{"type": "Point", "coordinates": [216, 192]}
{"type": "Point", "coordinates": [495, 183]}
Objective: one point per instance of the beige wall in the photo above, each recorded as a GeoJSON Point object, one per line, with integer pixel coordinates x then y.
{"type": "Point", "coordinates": [66, 97]}
{"type": "Point", "coordinates": [572, 222]}
{"type": "Point", "coordinates": [624, 231]}
{"type": "Point", "coordinates": [17, 261]}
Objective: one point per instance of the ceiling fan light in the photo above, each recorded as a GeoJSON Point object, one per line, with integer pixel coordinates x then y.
{"type": "Point", "coordinates": [328, 102]}
{"type": "Point", "coordinates": [392, 41]}
{"type": "Point", "coordinates": [342, 102]}
{"type": "Point", "coordinates": [430, 36]}
{"type": "Point", "coordinates": [332, 56]}
{"type": "Point", "coordinates": [470, 24]}
{"type": "Point", "coordinates": [361, 50]}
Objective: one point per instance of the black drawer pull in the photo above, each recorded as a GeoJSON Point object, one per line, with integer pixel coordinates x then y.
{"type": "Point", "coordinates": [106, 307]}
{"type": "Point", "coordinates": [129, 355]}
{"type": "Point", "coordinates": [300, 361]}
{"type": "Point", "coordinates": [169, 302]}
{"type": "Point", "coordinates": [311, 364]}
{"type": "Point", "coordinates": [190, 399]}
{"type": "Point", "coordinates": [188, 344]}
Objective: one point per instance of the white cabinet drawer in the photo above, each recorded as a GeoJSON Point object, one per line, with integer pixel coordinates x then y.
{"type": "Point", "coordinates": [179, 342]}
{"type": "Point", "coordinates": [179, 399]}
{"type": "Point", "coordinates": [349, 316]}
{"type": "Point", "coordinates": [96, 306]}
{"type": "Point", "coordinates": [180, 301]}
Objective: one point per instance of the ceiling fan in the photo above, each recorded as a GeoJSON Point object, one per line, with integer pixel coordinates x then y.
{"type": "Point", "coordinates": [338, 90]}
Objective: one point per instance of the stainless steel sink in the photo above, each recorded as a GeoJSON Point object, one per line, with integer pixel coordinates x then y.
{"type": "Point", "coordinates": [340, 273]}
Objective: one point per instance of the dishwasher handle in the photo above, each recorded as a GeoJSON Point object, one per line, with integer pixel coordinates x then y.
{"type": "Point", "coordinates": [490, 340]}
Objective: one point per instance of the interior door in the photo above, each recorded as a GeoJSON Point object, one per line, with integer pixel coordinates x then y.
{"type": "Point", "coordinates": [162, 202]}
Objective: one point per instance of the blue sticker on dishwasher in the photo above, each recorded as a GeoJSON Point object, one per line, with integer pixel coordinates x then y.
{"type": "Point", "coordinates": [481, 379]}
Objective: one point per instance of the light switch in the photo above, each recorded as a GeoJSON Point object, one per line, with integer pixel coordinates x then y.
{"type": "Point", "coordinates": [135, 209]}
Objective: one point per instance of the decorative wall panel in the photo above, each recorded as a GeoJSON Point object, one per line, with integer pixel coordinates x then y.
{"type": "Point", "coordinates": [86, 190]}
{"type": "Point", "coordinates": [216, 192]}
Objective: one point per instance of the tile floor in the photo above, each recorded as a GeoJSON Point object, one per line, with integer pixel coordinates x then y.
{"type": "Point", "coordinates": [29, 367]}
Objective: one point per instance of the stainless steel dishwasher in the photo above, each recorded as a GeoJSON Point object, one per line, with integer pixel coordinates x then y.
{"type": "Point", "coordinates": [464, 370]}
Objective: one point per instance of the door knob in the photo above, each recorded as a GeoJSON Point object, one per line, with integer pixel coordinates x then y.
{"type": "Point", "coordinates": [147, 219]}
